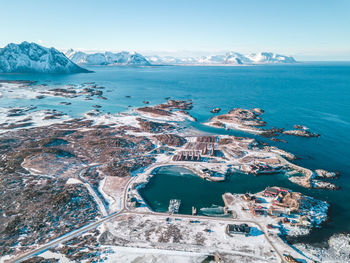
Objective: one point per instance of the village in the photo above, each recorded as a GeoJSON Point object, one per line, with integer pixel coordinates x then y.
{"type": "Point", "coordinates": [281, 210]}
{"type": "Point", "coordinates": [274, 212]}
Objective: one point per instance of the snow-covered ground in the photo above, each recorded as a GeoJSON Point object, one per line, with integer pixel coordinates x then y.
{"type": "Point", "coordinates": [52, 255]}
{"type": "Point", "coordinates": [205, 236]}
{"type": "Point", "coordinates": [28, 118]}
{"type": "Point", "coordinates": [133, 255]}
{"type": "Point", "coordinates": [178, 116]}
{"type": "Point", "coordinates": [74, 181]}
{"type": "Point", "coordinates": [28, 90]}
{"type": "Point", "coordinates": [235, 126]}
{"type": "Point", "coordinates": [13, 90]}
{"type": "Point", "coordinates": [114, 119]}
{"type": "Point", "coordinates": [112, 188]}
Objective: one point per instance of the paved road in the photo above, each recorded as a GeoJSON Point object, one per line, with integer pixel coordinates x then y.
{"type": "Point", "coordinates": [63, 238]}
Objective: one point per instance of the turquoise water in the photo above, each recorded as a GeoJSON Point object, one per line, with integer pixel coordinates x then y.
{"type": "Point", "coordinates": [316, 95]}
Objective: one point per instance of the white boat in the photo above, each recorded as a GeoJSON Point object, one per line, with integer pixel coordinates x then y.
{"type": "Point", "coordinates": [174, 206]}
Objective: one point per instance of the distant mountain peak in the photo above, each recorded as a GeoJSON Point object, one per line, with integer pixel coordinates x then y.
{"type": "Point", "coordinates": [31, 57]}
{"type": "Point", "coordinates": [230, 58]}
{"type": "Point", "coordinates": [107, 58]}
{"type": "Point", "coordinates": [269, 57]}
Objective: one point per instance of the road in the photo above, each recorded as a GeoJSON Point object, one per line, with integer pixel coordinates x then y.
{"type": "Point", "coordinates": [126, 211]}
{"type": "Point", "coordinates": [63, 238]}
{"type": "Point", "coordinates": [101, 205]}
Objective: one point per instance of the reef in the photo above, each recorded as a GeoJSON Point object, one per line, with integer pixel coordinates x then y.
{"type": "Point", "coordinates": [301, 133]}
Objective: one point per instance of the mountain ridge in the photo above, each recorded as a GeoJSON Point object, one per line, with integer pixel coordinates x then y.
{"type": "Point", "coordinates": [230, 58]}
{"type": "Point", "coordinates": [33, 58]}
{"type": "Point", "coordinates": [107, 58]}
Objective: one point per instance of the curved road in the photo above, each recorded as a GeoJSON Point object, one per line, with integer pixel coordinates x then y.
{"type": "Point", "coordinates": [101, 205]}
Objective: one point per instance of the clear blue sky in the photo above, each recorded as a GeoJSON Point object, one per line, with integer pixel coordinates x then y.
{"type": "Point", "coordinates": [307, 29]}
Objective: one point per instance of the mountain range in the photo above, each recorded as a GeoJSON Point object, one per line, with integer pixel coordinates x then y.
{"type": "Point", "coordinates": [31, 57]}
{"type": "Point", "coordinates": [107, 58]}
{"type": "Point", "coordinates": [230, 58]}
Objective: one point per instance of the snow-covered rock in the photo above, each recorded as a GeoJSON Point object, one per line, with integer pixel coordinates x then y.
{"type": "Point", "coordinates": [31, 57]}
{"type": "Point", "coordinates": [107, 58]}
{"type": "Point", "coordinates": [230, 58]}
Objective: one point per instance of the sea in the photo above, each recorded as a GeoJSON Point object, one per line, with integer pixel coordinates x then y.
{"type": "Point", "coordinates": [314, 94]}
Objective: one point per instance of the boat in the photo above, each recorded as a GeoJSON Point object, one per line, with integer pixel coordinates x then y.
{"type": "Point", "coordinates": [214, 210]}
{"type": "Point", "coordinates": [174, 206]}
{"type": "Point", "coordinates": [194, 210]}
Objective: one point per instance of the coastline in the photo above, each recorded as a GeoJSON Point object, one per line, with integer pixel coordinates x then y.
{"type": "Point", "coordinates": [154, 123]}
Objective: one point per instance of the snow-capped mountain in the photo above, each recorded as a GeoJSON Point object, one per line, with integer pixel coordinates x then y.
{"type": "Point", "coordinates": [236, 59]}
{"type": "Point", "coordinates": [31, 57]}
{"type": "Point", "coordinates": [268, 57]}
{"type": "Point", "coordinates": [170, 60]}
{"type": "Point", "coordinates": [230, 58]}
{"type": "Point", "coordinates": [107, 58]}
{"type": "Point", "coordinates": [211, 59]}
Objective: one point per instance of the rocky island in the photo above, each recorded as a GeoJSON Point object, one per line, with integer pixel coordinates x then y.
{"type": "Point", "coordinates": [251, 121]}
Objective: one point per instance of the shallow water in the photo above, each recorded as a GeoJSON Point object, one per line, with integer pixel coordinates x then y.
{"type": "Point", "coordinates": [316, 95]}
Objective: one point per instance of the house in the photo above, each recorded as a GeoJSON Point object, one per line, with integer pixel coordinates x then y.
{"type": "Point", "coordinates": [271, 191]}
{"type": "Point", "coordinates": [283, 190]}
{"type": "Point", "coordinates": [237, 229]}
{"type": "Point", "coordinates": [276, 212]}
{"type": "Point", "coordinates": [259, 211]}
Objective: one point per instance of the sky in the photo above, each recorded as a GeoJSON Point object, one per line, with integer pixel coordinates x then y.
{"type": "Point", "coordinates": [305, 29]}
